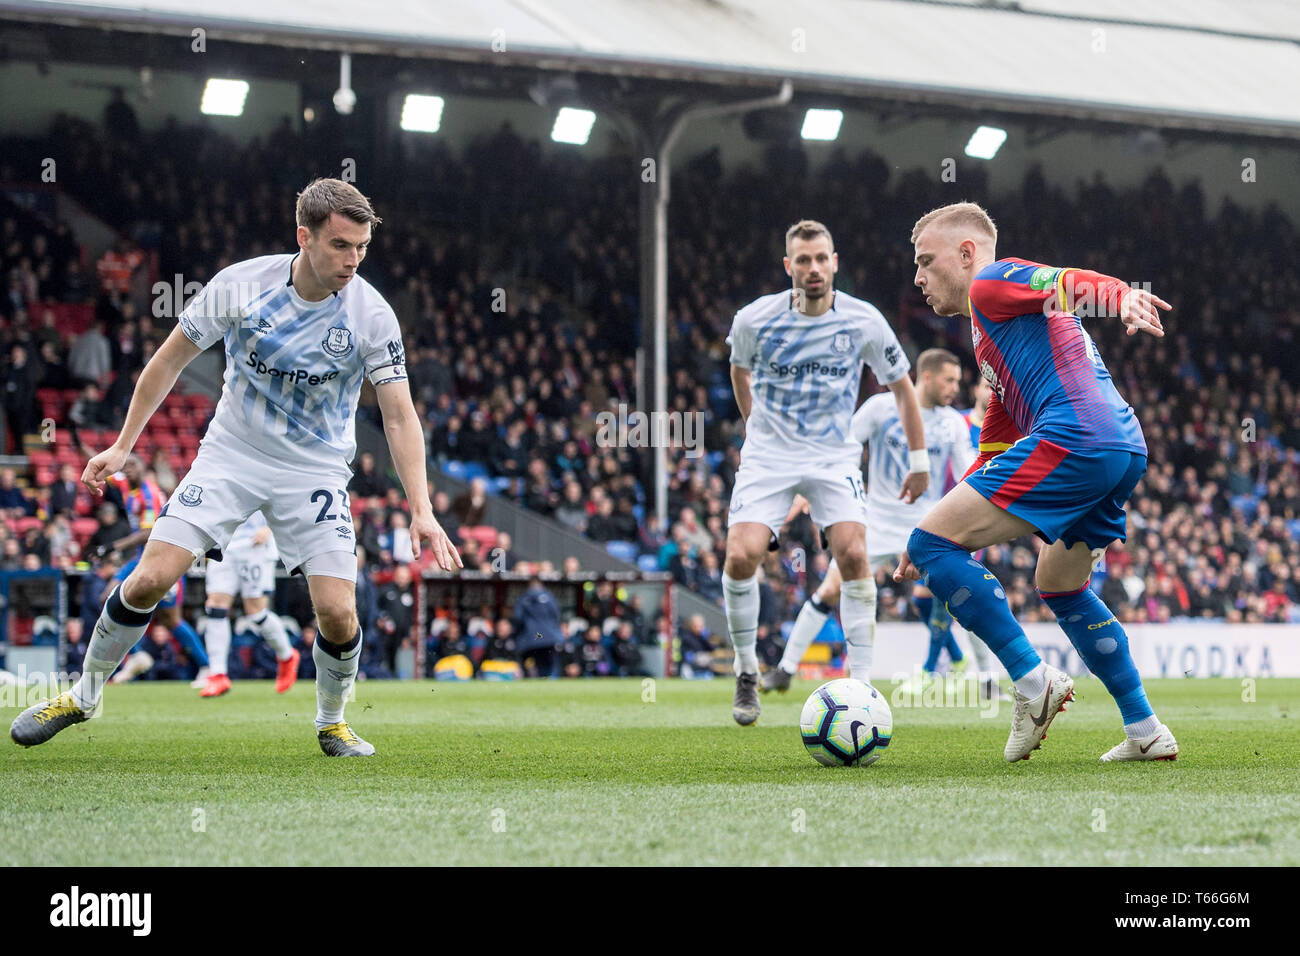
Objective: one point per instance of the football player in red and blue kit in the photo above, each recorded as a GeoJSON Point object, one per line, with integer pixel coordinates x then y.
{"type": "Point", "coordinates": [1060, 453]}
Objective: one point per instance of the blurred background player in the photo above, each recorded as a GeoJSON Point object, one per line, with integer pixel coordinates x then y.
{"type": "Point", "coordinates": [796, 366]}
{"type": "Point", "coordinates": [1065, 453]}
{"type": "Point", "coordinates": [878, 424]}
{"type": "Point", "coordinates": [246, 568]}
{"type": "Point", "coordinates": [142, 501]}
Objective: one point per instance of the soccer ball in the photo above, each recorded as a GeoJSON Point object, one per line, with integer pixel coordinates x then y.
{"type": "Point", "coordinates": [846, 723]}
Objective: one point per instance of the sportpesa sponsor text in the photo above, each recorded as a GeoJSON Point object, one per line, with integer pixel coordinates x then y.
{"type": "Point", "coordinates": [807, 368]}
{"type": "Point", "coordinates": [294, 375]}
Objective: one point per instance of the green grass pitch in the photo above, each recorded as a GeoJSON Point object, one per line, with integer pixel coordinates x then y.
{"type": "Point", "coordinates": [589, 772]}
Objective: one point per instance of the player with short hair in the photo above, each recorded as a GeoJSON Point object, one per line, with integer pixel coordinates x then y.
{"type": "Point", "coordinates": [878, 424]}
{"type": "Point", "coordinates": [796, 364]}
{"type": "Point", "coordinates": [246, 568]}
{"type": "Point", "coordinates": [1061, 452]}
{"type": "Point", "coordinates": [302, 331]}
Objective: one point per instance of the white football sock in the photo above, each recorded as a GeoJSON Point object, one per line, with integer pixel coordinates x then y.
{"type": "Point", "coordinates": [1033, 683]}
{"type": "Point", "coordinates": [118, 629]}
{"type": "Point", "coordinates": [806, 628]}
{"type": "Point", "coordinates": [741, 601]}
{"type": "Point", "coordinates": [336, 670]}
{"type": "Point", "coordinates": [217, 637]}
{"type": "Point", "coordinates": [270, 628]}
{"type": "Point", "coordinates": [858, 616]}
{"type": "Point", "coordinates": [1143, 728]}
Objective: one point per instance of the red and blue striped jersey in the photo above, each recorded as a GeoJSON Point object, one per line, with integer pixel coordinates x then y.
{"type": "Point", "coordinates": [1046, 373]}
{"type": "Point", "coordinates": [143, 504]}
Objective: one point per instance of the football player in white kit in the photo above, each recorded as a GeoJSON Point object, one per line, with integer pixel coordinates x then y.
{"type": "Point", "coordinates": [246, 568]}
{"type": "Point", "coordinates": [301, 332]}
{"type": "Point", "coordinates": [796, 365]}
{"type": "Point", "coordinates": [890, 520]}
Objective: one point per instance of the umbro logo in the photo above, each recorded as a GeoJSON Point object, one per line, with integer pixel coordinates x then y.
{"type": "Point", "coordinates": [263, 326]}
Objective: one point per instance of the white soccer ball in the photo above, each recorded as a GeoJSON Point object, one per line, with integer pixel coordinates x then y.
{"type": "Point", "coordinates": [846, 723]}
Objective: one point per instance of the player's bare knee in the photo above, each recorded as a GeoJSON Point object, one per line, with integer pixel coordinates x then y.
{"type": "Point", "coordinates": [220, 602]}
{"type": "Point", "coordinates": [740, 565]}
{"type": "Point", "coordinates": [338, 623]}
{"type": "Point", "coordinates": [145, 587]}
{"type": "Point", "coordinates": [853, 562]}
{"type": "Point", "coordinates": [829, 593]}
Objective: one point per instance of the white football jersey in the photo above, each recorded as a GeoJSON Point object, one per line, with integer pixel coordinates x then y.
{"type": "Point", "coordinates": [293, 367]}
{"type": "Point", "coordinates": [805, 373]}
{"type": "Point", "coordinates": [890, 520]}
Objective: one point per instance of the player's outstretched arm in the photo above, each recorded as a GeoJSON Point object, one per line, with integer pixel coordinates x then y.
{"type": "Point", "coordinates": [406, 442]}
{"type": "Point", "coordinates": [909, 413]}
{"type": "Point", "coordinates": [152, 387]}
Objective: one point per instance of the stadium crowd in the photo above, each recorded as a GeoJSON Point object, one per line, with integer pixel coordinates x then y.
{"type": "Point", "coordinates": [523, 328]}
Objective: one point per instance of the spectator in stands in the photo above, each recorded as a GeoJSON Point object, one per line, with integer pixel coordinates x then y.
{"type": "Point", "coordinates": [572, 510]}
{"type": "Point", "coordinates": [396, 605]}
{"type": "Point", "coordinates": [90, 410]}
{"type": "Point", "coordinates": [592, 656]}
{"type": "Point", "coordinates": [501, 644]}
{"type": "Point", "coordinates": [14, 503]}
{"type": "Point", "coordinates": [168, 663]}
{"type": "Point", "coordinates": [695, 648]}
{"type": "Point", "coordinates": [601, 526]}
{"type": "Point", "coordinates": [65, 492]}
{"type": "Point", "coordinates": [367, 482]}
{"type": "Point", "coordinates": [113, 527]}
{"type": "Point", "coordinates": [21, 379]}
{"type": "Point", "coordinates": [116, 268]}
{"type": "Point", "coordinates": [625, 653]}
{"type": "Point", "coordinates": [397, 542]}
{"type": "Point", "coordinates": [502, 557]}
{"type": "Point", "coordinates": [708, 577]}
{"type": "Point", "coordinates": [74, 648]}
{"type": "Point", "coordinates": [163, 475]}
{"type": "Point", "coordinates": [95, 588]}
{"type": "Point", "coordinates": [91, 357]}
{"type": "Point", "coordinates": [470, 507]}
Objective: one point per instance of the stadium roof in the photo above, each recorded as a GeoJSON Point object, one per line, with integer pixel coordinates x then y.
{"type": "Point", "coordinates": [1207, 64]}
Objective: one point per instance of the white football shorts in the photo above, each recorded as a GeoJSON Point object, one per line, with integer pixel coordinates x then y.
{"type": "Point", "coordinates": [308, 512]}
{"type": "Point", "coordinates": [248, 571]}
{"type": "Point", "coordinates": [764, 492]}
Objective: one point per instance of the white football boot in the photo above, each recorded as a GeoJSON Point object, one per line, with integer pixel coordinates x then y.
{"type": "Point", "coordinates": [1031, 718]}
{"type": "Point", "coordinates": [1159, 746]}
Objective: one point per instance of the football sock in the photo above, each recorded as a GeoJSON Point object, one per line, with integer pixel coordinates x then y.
{"type": "Point", "coordinates": [336, 670]}
{"type": "Point", "coordinates": [975, 599]}
{"type": "Point", "coordinates": [189, 639]}
{"type": "Point", "coordinates": [270, 628]}
{"type": "Point", "coordinates": [809, 623]}
{"type": "Point", "coordinates": [741, 601]}
{"type": "Point", "coordinates": [217, 634]}
{"type": "Point", "coordinates": [117, 630]}
{"type": "Point", "coordinates": [1100, 640]}
{"type": "Point", "coordinates": [858, 616]}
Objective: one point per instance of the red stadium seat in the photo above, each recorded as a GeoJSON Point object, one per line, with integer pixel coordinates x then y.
{"type": "Point", "coordinates": [25, 524]}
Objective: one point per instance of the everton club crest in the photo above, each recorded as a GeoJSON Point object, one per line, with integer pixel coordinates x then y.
{"type": "Point", "coordinates": [842, 343]}
{"type": "Point", "coordinates": [192, 495]}
{"type": "Point", "coordinates": [338, 342]}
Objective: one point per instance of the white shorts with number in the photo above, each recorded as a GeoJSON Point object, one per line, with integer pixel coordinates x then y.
{"type": "Point", "coordinates": [308, 512]}
{"type": "Point", "coordinates": [248, 571]}
{"type": "Point", "coordinates": [764, 492]}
